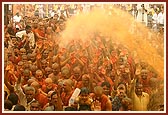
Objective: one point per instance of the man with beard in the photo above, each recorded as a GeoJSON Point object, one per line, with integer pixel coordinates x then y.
{"type": "Point", "coordinates": [24, 59]}
{"type": "Point", "coordinates": [67, 91]}
{"type": "Point", "coordinates": [140, 99]}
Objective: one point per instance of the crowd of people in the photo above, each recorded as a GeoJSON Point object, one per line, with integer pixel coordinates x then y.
{"type": "Point", "coordinates": [95, 75]}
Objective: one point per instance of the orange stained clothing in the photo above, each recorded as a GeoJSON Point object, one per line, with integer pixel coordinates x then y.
{"type": "Point", "coordinates": [65, 98]}
{"type": "Point", "coordinates": [79, 84]}
{"type": "Point", "coordinates": [42, 99]}
{"type": "Point", "coordinates": [42, 82]}
{"type": "Point", "coordinates": [104, 100]}
{"type": "Point", "coordinates": [40, 32]}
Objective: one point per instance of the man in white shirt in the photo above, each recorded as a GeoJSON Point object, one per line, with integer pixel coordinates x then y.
{"type": "Point", "coordinates": [155, 21]}
{"type": "Point", "coordinates": [17, 17]}
{"type": "Point", "coordinates": [27, 32]}
{"type": "Point", "coordinates": [160, 19]}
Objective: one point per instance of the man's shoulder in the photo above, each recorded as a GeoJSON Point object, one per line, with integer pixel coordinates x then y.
{"type": "Point", "coordinates": [105, 97]}
{"type": "Point", "coordinates": [31, 33]}
{"type": "Point", "coordinates": [23, 31]}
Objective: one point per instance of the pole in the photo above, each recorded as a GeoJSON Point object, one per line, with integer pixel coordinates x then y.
{"type": "Point", "coordinates": [143, 14]}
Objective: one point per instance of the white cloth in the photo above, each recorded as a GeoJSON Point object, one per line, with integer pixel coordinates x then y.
{"type": "Point", "coordinates": [16, 18]}
{"type": "Point", "coordinates": [155, 18]}
{"type": "Point", "coordinates": [30, 36]}
{"type": "Point", "coordinates": [52, 14]}
{"type": "Point", "coordinates": [160, 18]}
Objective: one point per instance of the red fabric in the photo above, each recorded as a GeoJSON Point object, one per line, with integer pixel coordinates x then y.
{"type": "Point", "coordinates": [113, 59]}
{"type": "Point", "coordinates": [42, 99]}
{"type": "Point", "coordinates": [11, 79]}
{"type": "Point", "coordinates": [40, 32]}
{"type": "Point", "coordinates": [15, 60]}
{"type": "Point", "coordinates": [104, 100]}
{"type": "Point", "coordinates": [42, 82]}
{"type": "Point", "coordinates": [65, 98]}
{"type": "Point", "coordinates": [11, 58]}
{"type": "Point", "coordinates": [20, 45]}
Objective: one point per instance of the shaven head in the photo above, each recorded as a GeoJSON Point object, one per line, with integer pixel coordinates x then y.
{"type": "Point", "coordinates": [98, 90]}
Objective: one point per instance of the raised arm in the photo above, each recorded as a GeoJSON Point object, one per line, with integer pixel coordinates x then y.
{"type": "Point", "coordinates": [8, 85]}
